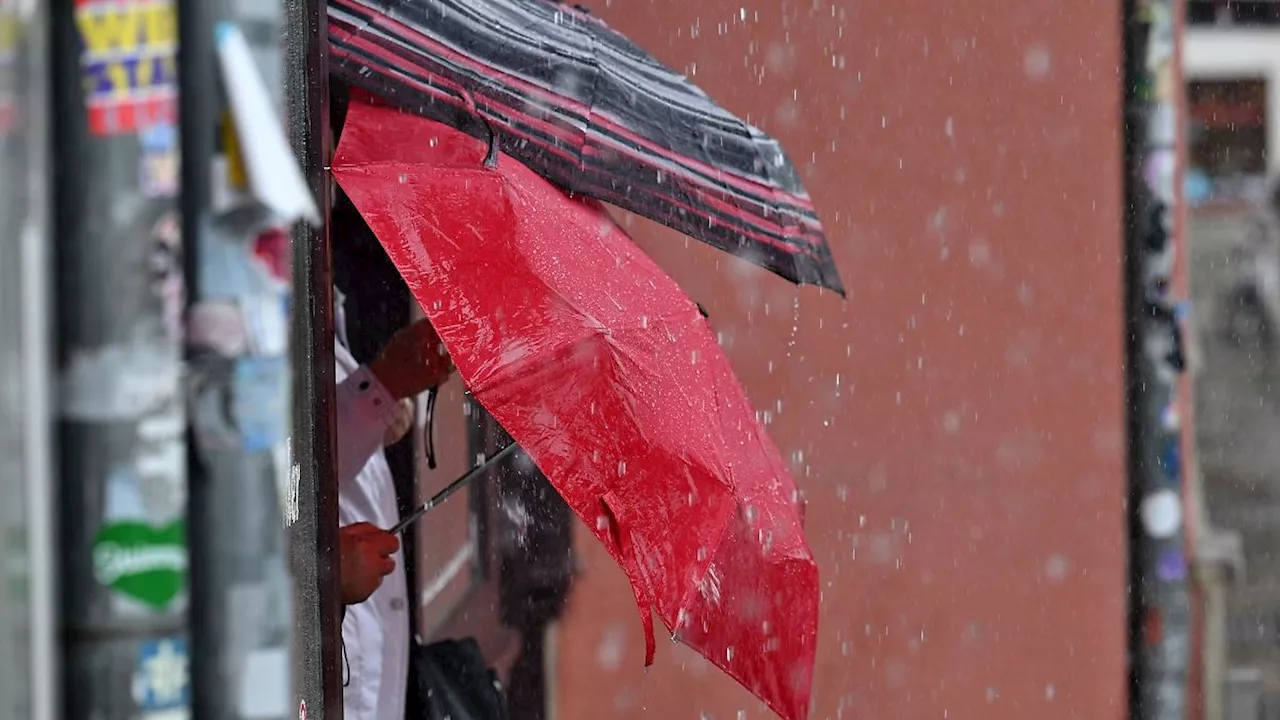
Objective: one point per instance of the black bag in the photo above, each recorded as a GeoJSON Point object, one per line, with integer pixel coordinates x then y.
{"type": "Point", "coordinates": [453, 682]}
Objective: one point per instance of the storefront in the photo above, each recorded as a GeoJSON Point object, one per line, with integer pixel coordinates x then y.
{"type": "Point", "coordinates": [881, 431]}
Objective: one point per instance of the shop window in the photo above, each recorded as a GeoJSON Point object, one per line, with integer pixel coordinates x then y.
{"type": "Point", "coordinates": [1233, 12]}
{"type": "Point", "coordinates": [1228, 127]}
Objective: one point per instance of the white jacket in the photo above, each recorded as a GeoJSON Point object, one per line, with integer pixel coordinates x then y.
{"type": "Point", "coordinates": [375, 633]}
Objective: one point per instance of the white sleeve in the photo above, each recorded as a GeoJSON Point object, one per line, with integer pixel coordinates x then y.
{"type": "Point", "coordinates": [364, 412]}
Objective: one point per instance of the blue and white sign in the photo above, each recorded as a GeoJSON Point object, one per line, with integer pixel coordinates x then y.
{"type": "Point", "coordinates": [162, 681]}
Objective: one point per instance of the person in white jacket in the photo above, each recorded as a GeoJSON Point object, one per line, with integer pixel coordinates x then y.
{"type": "Point", "coordinates": [374, 411]}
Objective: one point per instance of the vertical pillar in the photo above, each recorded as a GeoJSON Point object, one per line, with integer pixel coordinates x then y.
{"type": "Point", "coordinates": [1159, 598]}
{"type": "Point", "coordinates": [26, 534]}
{"type": "Point", "coordinates": [121, 420]}
{"type": "Point", "coordinates": [314, 528]}
{"type": "Point", "coordinates": [241, 605]}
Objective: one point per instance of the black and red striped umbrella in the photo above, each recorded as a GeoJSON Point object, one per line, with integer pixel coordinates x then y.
{"type": "Point", "coordinates": [585, 108]}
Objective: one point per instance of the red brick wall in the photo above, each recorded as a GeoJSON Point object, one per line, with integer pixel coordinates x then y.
{"type": "Point", "coordinates": [959, 421]}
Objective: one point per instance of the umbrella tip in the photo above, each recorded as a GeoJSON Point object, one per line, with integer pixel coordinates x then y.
{"type": "Point", "coordinates": [703, 310]}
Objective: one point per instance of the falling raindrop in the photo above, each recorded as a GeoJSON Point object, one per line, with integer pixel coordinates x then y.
{"type": "Point", "coordinates": [795, 322]}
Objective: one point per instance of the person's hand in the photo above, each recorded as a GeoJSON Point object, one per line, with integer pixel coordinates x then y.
{"type": "Point", "coordinates": [364, 558]}
{"type": "Point", "coordinates": [400, 426]}
{"type": "Point", "coordinates": [413, 361]}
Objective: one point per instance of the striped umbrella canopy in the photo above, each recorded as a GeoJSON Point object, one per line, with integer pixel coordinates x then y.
{"type": "Point", "coordinates": [587, 109]}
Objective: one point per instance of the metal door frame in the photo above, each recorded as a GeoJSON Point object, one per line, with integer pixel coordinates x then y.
{"type": "Point", "coordinates": [1160, 596]}
{"type": "Point", "coordinates": [314, 534]}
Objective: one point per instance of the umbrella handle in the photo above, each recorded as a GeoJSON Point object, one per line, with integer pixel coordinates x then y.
{"type": "Point", "coordinates": [430, 428]}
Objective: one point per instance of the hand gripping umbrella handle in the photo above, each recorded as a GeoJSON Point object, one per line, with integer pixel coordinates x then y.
{"type": "Point", "coordinates": [452, 488]}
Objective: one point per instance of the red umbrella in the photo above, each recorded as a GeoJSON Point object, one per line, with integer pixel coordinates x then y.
{"type": "Point", "coordinates": [610, 379]}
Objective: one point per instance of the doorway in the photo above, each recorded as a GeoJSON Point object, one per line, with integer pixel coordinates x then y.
{"type": "Point", "coordinates": [492, 563]}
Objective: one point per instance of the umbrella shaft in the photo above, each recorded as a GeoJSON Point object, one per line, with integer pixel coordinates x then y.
{"type": "Point", "coordinates": [452, 488]}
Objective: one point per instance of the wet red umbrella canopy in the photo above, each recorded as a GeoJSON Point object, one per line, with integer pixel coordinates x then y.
{"type": "Point", "coordinates": [609, 377]}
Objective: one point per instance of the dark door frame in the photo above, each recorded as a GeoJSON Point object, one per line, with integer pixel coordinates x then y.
{"type": "Point", "coordinates": [314, 534]}
{"type": "Point", "coordinates": [1160, 609]}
